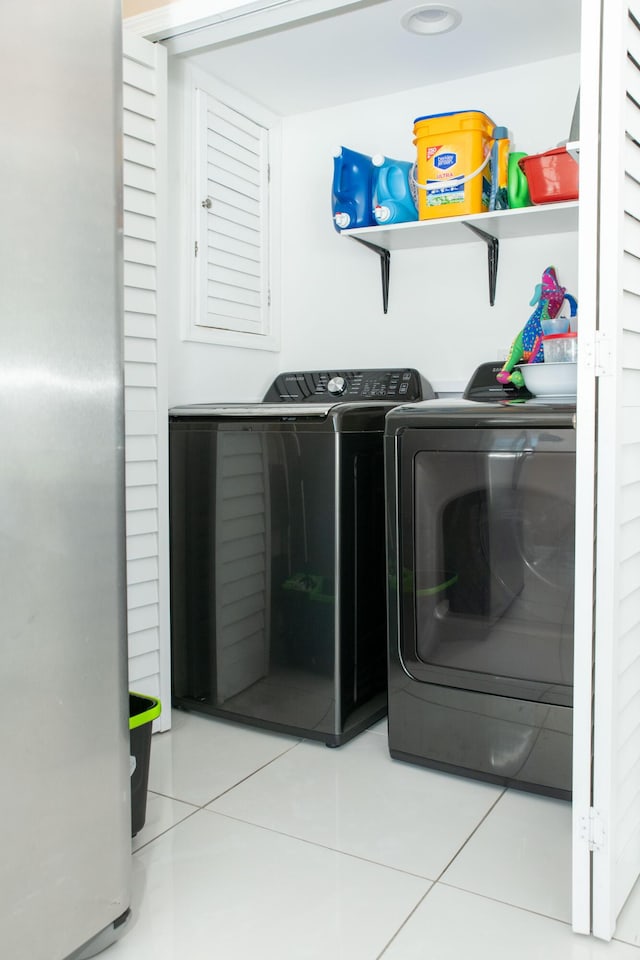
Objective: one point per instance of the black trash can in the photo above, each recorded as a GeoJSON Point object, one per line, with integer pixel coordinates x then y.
{"type": "Point", "coordinates": [142, 712]}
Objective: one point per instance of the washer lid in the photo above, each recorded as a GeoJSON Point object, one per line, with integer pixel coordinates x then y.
{"type": "Point", "coordinates": [253, 410]}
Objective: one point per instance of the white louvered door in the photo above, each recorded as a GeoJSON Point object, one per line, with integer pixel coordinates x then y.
{"type": "Point", "coordinates": [144, 99]}
{"type": "Point", "coordinates": [616, 749]}
{"type": "Point", "coordinates": [236, 216]}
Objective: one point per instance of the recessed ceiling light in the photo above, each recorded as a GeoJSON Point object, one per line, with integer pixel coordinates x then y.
{"type": "Point", "coordinates": [431, 18]}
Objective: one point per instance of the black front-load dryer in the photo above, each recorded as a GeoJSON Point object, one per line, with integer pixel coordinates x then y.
{"type": "Point", "coordinates": [277, 524]}
{"type": "Point", "coordinates": [481, 505]}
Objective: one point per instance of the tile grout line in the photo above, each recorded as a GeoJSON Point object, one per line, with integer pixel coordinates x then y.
{"type": "Point", "coordinates": [421, 900]}
{"type": "Point", "coordinates": [252, 774]}
{"type": "Point", "coordinates": [263, 767]}
{"type": "Point", "coordinates": [321, 846]}
{"type": "Point", "coordinates": [197, 807]}
{"type": "Point", "coordinates": [315, 843]}
{"type": "Point", "coordinates": [168, 796]}
{"type": "Point", "coordinates": [406, 920]}
{"type": "Point", "coordinates": [480, 896]}
{"type": "Point", "coordinates": [472, 834]}
{"type": "Point", "coordinates": [504, 903]}
{"type": "Point", "coordinates": [168, 829]}
{"type": "Point", "coordinates": [201, 806]}
{"type": "Point", "coordinates": [433, 883]}
{"type": "Point", "coordinates": [442, 872]}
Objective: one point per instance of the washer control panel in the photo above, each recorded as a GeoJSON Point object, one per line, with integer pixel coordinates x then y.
{"type": "Point", "coordinates": [337, 385]}
{"type": "Point", "coordinates": [398, 385]}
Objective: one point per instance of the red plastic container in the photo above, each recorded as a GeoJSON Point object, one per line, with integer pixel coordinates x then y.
{"type": "Point", "coordinates": [552, 176]}
{"type": "Point", "coordinates": [560, 347]}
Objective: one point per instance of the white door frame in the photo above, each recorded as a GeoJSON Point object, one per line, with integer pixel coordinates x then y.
{"type": "Point", "coordinates": [189, 25]}
{"type": "Point", "coordinates": [585, 469]}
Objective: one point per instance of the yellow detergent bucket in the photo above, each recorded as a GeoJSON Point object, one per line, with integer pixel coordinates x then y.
{"type": "Point", "coordinates": [453, 173]}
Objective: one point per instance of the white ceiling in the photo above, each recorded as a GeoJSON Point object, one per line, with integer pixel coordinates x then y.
{"type": "Point", "coordinates": [364, 51]}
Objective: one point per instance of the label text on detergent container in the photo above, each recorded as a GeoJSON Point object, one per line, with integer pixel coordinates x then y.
{"type": "Point", "coordinates": [445, 161]}
{"type": "Point", "coordinates": [440, 192]}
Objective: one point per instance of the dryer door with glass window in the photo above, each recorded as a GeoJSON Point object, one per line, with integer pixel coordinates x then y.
{"type": "Point", "coordinates": [487, 559]}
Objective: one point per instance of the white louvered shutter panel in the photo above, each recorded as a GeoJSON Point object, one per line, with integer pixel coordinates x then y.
{"type": "Point", "coordinates": [145, 405]}
{"type": "Point", "coordinates": [234, 160]}
{"type": "Point", "coordinates": [242, 535]}
{"type": "Point", "coordinates": [616, 799]}
{"type": "Point", "coordinates": [235, 216]}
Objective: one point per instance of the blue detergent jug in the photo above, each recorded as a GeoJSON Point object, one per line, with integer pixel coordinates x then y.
{"type": "Point", "coordinates": [393, 198]}
{"type": "Point", "coordinates": [352, 190]}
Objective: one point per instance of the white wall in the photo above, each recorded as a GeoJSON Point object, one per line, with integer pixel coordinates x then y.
{"type": "Point", "coordinates": [439, 317]}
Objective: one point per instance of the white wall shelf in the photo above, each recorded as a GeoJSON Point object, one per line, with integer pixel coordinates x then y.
{"type": "Point", "coordinates": [551, 218]}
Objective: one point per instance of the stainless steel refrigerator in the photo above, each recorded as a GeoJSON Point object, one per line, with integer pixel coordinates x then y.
{"type": "Point", "coordinates": [65, 851]}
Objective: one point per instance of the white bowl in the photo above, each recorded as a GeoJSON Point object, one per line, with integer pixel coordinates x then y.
{"type": "Point", "coordinates": [550, 379]}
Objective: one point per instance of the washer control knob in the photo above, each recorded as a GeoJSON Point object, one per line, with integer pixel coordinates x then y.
{"type": "Point", "coordinates": [337, 385]}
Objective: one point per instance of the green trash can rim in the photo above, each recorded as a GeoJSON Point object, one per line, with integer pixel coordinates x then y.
{"type": "Point", "coordinates": [147, 715]}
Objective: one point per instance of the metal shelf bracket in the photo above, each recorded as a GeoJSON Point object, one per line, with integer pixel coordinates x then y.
{"type": "Point", "coordinates": [385, 267]}
{"type": "Point", "coordinates": [493, 248]}
{"type": "Point", "coordinates": [492, 256]}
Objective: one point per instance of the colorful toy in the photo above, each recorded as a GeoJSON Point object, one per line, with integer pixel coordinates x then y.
{"type": "Point", "coordinates": [527, 346]}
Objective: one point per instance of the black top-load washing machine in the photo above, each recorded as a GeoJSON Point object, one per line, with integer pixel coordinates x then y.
{"type": "Point", "coordinates": [481, 505]}
{"type": "Point", "coordinates": [277, 524]}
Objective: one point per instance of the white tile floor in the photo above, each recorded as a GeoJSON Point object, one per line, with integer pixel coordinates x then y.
{"type": "Point", "coordinates": [260, 846]}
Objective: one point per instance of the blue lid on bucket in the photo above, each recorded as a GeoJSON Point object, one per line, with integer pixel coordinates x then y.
{"type": "Point", "coordinates": [447, 113]}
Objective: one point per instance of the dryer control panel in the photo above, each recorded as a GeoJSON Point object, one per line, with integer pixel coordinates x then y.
{"type": "Point", "coordinates": [398, 385]}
